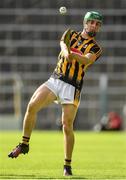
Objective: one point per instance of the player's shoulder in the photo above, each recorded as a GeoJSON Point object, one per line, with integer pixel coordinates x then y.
{"type": "Point", "coordinates": [75, 33]}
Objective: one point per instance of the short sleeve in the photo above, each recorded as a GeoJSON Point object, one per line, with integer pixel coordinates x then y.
{"type": "Point", "coordinates": [96, 50]}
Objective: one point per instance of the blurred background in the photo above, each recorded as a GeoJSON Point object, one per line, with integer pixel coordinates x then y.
{"type": "Point", "coordinates": [30, 31]}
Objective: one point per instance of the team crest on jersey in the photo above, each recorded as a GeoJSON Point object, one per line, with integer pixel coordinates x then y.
{"type": "Point", "coordinates": [85, 46]}
{"type": "Point", "coordinates": [79, 43]}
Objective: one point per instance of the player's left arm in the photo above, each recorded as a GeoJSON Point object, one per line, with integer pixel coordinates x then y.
{"type": "Point", "coordinates": [88, 58]}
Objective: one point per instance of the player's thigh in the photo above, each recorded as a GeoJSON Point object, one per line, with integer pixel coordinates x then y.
{"type": "Point", "coordinates": [42, 97]}
{"type": "Point", "coordinates": [69, 112]}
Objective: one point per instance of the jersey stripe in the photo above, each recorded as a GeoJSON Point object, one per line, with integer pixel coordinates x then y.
{"type": "Point", "coordinates": [88, 48]}
{"type": "Point", "coordinates": [80, 73]}
{"type": "Point", "coordinates": [71, 72]}
{"type": "Point", "coordinates": [64, 67]}
{"type": "Point", "coordinates": [75, 72]}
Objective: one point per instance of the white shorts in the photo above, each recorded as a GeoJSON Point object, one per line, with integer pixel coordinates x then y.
{"type": "Point", "coordinates": [65, 93]}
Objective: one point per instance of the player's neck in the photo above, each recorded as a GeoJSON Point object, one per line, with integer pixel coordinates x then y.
{"type": "Point", "coordinates": [85, 35]}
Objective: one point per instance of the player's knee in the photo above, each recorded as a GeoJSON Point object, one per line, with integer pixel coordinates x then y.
{"type": "Point", "coordinates": [67, 127]}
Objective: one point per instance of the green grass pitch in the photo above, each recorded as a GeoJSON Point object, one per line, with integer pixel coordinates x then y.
{"type": "Point", "coordinates": [96, 156]}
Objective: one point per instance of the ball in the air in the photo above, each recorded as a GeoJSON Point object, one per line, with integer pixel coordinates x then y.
{"type": "Point", "coordinates": [63, 10]}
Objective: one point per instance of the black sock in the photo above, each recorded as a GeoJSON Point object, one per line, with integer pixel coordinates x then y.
{"type": "Point", "coordinates": [67, 162]}
{"type": "Point", "coordinates": [25, 140]}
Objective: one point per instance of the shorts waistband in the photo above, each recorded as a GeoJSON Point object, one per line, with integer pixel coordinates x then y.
{"type": "Point", "coordinates": [56, 76]}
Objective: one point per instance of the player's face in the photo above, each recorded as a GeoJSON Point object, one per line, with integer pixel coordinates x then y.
{"type": "Point", "coordinates": [92, 27]}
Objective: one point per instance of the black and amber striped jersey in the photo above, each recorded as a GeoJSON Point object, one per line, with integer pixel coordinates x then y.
{"type": "Point", "coordinates": [73, 72]}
